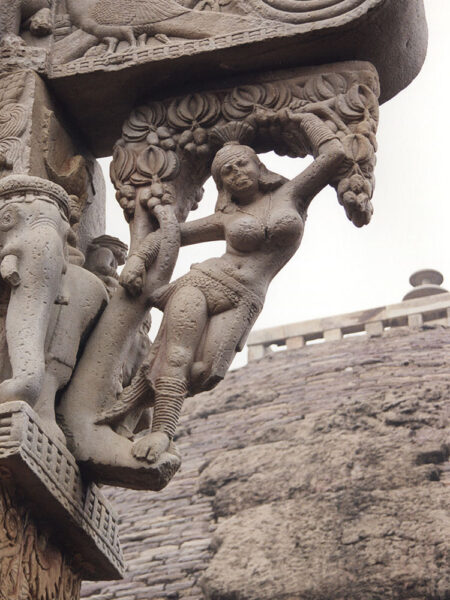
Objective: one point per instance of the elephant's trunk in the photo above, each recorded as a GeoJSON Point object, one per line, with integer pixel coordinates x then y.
{"type": "Point", "coordinates": [9, 270]}
{"type": "Point", "coordinates": [35, 276]}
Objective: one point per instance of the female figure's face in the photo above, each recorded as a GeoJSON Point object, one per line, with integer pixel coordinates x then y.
{"type": "Point", "coordinates": [240, 176]}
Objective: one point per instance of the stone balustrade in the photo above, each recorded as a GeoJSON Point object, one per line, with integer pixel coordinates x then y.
{"type": "Point", "coordinates": [431, 310]}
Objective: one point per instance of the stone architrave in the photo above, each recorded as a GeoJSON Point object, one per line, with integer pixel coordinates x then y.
{"type": "Point", "coordinates": [113, 52]}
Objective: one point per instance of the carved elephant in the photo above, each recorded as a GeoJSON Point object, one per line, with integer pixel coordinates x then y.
{"type": "Point", "coordinates": [51, 306]}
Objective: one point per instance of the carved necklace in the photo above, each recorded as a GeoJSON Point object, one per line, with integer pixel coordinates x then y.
{"type": "Point", "coordinates": [264, 220]}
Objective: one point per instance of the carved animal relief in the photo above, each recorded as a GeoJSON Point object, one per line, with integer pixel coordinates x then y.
{"type": "Point", "coordinates": [108, 26]}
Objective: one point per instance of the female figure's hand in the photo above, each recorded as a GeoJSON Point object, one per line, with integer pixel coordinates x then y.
{"type": "Point", "coordinates": [132, 277]}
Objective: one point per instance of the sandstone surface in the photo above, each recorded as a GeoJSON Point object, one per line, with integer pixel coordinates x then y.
{"type": "Point", "coordinates": [320, 473]}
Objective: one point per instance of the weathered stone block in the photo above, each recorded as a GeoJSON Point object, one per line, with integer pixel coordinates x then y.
{"type": "Point", "coordinates": [82, 520]}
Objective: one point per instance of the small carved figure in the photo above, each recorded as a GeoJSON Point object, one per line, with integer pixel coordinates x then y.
{"type": "Point", "coordinates": [209, 312]}
{"type": "Point", "coordinates": [114, 20]}
{"type": "Point", "coordinates": [104, 255]}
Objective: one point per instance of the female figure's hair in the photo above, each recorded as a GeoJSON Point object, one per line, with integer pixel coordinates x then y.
{"type": "Point", "coordinates": [268, 180]}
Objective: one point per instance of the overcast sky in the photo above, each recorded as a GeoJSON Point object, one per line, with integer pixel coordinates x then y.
{"type": "Point", "coordinates": [340, 268]}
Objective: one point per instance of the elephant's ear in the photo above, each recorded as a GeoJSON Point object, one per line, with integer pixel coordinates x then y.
{"type": "Point", "coordinates": [9, 217]}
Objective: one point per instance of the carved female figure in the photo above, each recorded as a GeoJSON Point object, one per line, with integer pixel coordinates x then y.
{"type": "Point", "coordinates": [209, 312]}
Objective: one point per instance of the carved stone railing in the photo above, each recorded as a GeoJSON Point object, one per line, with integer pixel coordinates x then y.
{"type": "Point", "coordinates": [373, 322]}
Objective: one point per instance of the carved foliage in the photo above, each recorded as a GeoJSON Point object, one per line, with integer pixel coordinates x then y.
{"type": "Point", "coordinates": [31, 568]}
{"type": "Point", "coordinates": [13, 122]}
{"type": "Point", "coordinates": [178, 137]}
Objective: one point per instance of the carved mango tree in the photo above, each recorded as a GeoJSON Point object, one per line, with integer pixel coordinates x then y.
{"type": "Point", "coordinates": [167, 148]}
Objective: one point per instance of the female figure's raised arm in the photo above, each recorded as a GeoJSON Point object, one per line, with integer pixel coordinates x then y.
{"type": "Point", "coordinates": [328, 156]}
{"type": "Point", "coordinates": [208, 229]}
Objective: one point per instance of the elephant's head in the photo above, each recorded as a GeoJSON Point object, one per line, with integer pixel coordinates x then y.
{"type": "Point", "coordinates": [34, 225]}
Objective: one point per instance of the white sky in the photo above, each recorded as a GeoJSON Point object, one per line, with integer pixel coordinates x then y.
{"type": "Point", "coordinates": [340, 268]}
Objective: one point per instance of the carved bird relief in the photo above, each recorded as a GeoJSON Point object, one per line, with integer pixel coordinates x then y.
{"type": "Point", "coordinates": [114, 20]}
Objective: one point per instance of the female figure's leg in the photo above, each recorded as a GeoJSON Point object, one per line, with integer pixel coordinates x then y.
{"type": "Point", "coordinates": [219, 348]}
{"type": "Point", "coordinates": [185, 317]}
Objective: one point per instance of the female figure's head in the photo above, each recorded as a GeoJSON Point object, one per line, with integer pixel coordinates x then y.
{"type": "Point", "coordinates": [239, 174]}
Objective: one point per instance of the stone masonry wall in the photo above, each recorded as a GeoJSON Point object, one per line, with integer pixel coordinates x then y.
{"type": "Point", "coordinates": [314, 474]}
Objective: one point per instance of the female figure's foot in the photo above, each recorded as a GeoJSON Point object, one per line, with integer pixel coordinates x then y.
{"type": "Point", "coordinates": [151, 446]}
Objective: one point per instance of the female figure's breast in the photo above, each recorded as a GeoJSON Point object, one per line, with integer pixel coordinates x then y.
{"type": "Point", "coordinates": [246, 233]}
{"type": "Point", "coordinates": [285, 227]}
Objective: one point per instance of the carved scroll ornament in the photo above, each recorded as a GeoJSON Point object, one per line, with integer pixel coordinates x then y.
{"type": "Point", "coordinates": [289, 11]}
{"type": "Point", "coordinates": [13, 124]}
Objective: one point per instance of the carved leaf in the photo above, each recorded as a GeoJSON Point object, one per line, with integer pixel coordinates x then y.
{"type": "Point", "coordinates": [242, 100]}
{"type": "Point", "coordinates": [12, 524]}
{"type": "Point", "coordinates": [142, 120]}
{"type": "Point", "coordinates": [122, 166]}
{"type": "Point", "coordinates": [324, 87]}
{"type": "Point", "coordinates": [195, 109]}
{"type": "Point", "coordinates": [357, 103]}
{"type": "Point", "coordinates": [358, 148]}
{"type": "Point", "coordinates": [155, 162]}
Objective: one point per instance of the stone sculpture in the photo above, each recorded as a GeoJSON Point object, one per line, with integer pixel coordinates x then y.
{"type": "Point", "coordinates": [34, 15]}
{"type": "Point", "coordinates": [167, 151]}
{"type": "Point", "coordinates": [209, 312]}
{"type": "Point", "coordinates": [44, 289]}
{"type": "Point", "coordinates": [104, 255]}
{"type": "Point", "coordinates": [79, 380]}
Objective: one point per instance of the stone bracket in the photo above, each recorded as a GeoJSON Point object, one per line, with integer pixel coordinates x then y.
{"type": "Point", "coordinates": [51, 480]}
